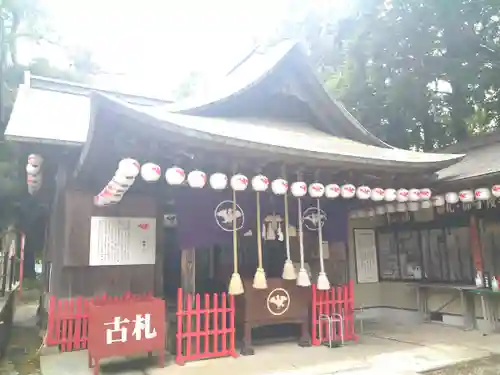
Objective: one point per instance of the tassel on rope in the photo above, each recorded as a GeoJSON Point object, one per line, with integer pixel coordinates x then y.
{"type": "Point", "coordinates": [303, 276]}
{"type": "Point", "coordinates": [259, 280]}
{"type": "Point", "coordinates": [288, 268]}
{"type": "Point", "coordinates": [235, 284]}
{"type": "Point", "coordinates": [323, 282]}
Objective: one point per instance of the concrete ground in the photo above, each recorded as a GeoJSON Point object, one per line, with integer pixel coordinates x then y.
{"type": "Point", "coordinates": [402, 350]}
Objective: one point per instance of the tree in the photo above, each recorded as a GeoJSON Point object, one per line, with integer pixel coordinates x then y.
{"type": "Point", "coordinates": [418, 73]}
{"type": "Point", "coordinates": [396, 57]}
{"type": "Point", "coordinates": [24, 19]}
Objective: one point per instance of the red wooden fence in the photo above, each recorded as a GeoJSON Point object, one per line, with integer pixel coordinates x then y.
{"type": "Point", "coordinates": [207, 329]}
{"type": "Point", "coordinates": [68, 319]}
{"type": "Point", "coordinates": [339, 300]}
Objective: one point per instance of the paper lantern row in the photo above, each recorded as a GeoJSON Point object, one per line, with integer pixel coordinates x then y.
{"type": "Point", "coordinates": [34, 173]}
{"type": "Point", "coordinates": [124, 178]}
{"type": "Point", "coordinates": [466, 197]}
{"type": "Point", "coordinates": [219, 181]}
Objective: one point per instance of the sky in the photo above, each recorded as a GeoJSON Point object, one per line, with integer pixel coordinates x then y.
{"type": "Point", "coordinates": [157, 44]}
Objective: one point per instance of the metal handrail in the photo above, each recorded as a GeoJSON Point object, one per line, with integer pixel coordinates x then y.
{"type": "Point", "coordinates": [331, 319]}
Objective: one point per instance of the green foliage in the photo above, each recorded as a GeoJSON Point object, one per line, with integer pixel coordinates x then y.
{"type": "Point", "coordinates": [417, 73]}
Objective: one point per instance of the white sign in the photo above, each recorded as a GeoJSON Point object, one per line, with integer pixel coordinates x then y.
{"type": "Point", "coordinates": [142, 325]}
{"type": "Point", "coordinates": [122, 241]}
{"type": "Point", "coordinates": [366, 255]}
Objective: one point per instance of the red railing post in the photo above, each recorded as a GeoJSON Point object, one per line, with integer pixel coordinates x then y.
{"type": "Point", "coordinates": [233, 328]}
{"type": "Point", "coordinates": [314, 313]}
{"type": "Point", "coordinates": [179, 359]}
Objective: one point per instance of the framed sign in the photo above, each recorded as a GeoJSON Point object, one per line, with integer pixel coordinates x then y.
{"type": "Point", "coordinates": [122, 241]}
{"type": "Point", "coordinates": [366, 256]}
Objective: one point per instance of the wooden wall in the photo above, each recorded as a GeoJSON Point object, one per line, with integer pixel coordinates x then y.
{"type": "Point", "coordinates": [76, 277]}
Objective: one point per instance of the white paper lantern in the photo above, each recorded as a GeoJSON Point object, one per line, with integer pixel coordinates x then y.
{"type": "Point", "coordinates": [279, 186]}
{"type": "Point", "coordinates": [466, 196]}
{"type": "Point", "coordinates": [495, 191]}
{"type": "Point", "coordinates": [482, 194]}
{"type": "Point", "coordinates": [123, 180]}
{"type": "Point", "coordinates": [378, 194]}
{"type": "Point", "coordinates": [197, 179]}
{"type": "Point", "coordinates": [260, 183]}
{"type": "Point", "coordinates": [370, 212]}
{"type": "Point", "coordinates": [100, 201]}
{"type": "Point", "coordinates": [34, 180]}
{"type": "Point", "coordinates": [299, 189]}
{"type": "Point", "coordinates": [239, 182]}
{"type": "Point", "coordinates": [414, 195]}
{"type": "Point", "coordinates": [116, 187]}
{"type": "Point", "coordinates": [110, 196]}
{"type": "Point", "coordinates": [380, 210]}
{"type": "Point", "coordinates": [218, 181]}
{"type": "Point", "coordinates": [413, 206]}
{"type": "Point", "coordinates": [390, 195]}
{"type": "Point", "coordinates": [175, 176]}
{"type": "Point", "coordinates": [32, 169]}
{"type": "Point", "coordinates": [438, 201]}
{"type": "Point", "coordinates": [426, 204]}
{"type": "Point", "coordinates": [390, 208]}
{"type": "Point", "coordinates": [363, 192]}
{"type": "Point", "coordinates": [129, 167]}
{"type": "Point", "coordinates": [451, 197]}
{"type": "Point", "coordinates": [402, 195]}
{"type": "Point", "coordinates": [150, 172]}
{"type": "Point", "coordinates": [401, 207]}
{"type": "Point", "coordinates": [348, 191]}
{"type": "Point", "coordinates": [332, 191]}
{"type": "Point", "coordinates": [35, 160]}
{"type": "Point", "coordinates": [425, 194]}
{"type": "Point", "coordinates": [316, 190]}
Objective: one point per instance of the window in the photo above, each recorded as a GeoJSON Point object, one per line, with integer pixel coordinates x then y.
{"type": "Point", "coordinates": [431, 254]}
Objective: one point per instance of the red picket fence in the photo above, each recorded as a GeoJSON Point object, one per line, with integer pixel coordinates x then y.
{"type": "Point", "coordinates": [68, 319]}
{"type": "Point", "coordinates": [339, 300]}
{"type": "Point", "coordinates": [207, 329]}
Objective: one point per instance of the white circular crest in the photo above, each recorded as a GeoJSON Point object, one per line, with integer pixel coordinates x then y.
{"type": "Point", "coordinates": [278, 301]}
{"type": "Point", "coordinates": [224, 216]}
{"type": "Point", "coordinates": [312, 220]}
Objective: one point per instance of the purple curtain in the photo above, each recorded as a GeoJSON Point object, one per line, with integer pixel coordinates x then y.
{"type": "Point", "coordinates": [205, 216]}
